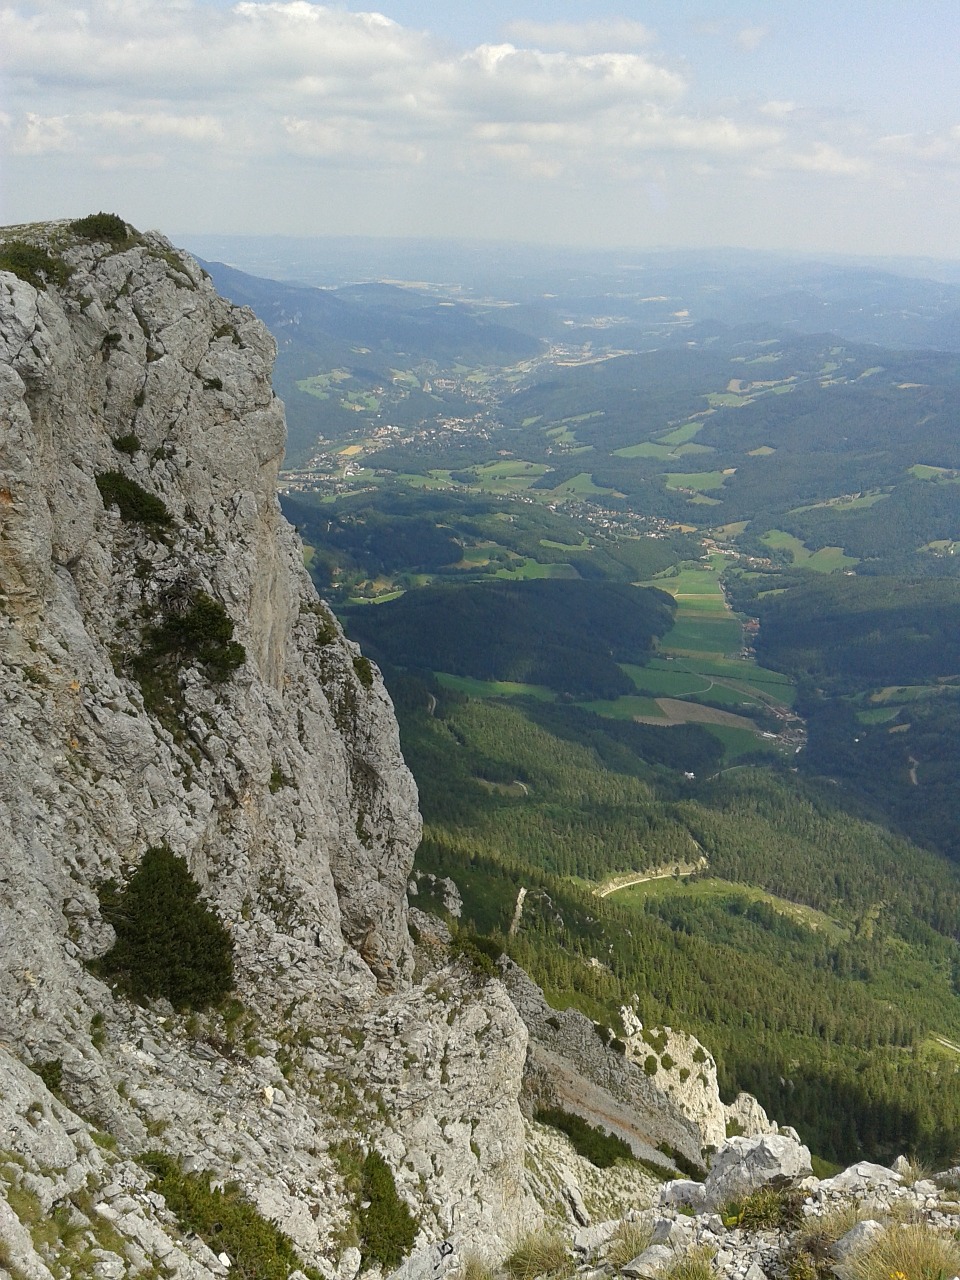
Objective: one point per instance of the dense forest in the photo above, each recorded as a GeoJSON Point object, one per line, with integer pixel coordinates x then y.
{"type": "Point", "coordinates": [570, 636]}
{"type": "Point", "coordinates": [818, 959]}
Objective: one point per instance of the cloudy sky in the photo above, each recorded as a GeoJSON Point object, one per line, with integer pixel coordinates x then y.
{"type": "Point", "coordinates": [821, 125]}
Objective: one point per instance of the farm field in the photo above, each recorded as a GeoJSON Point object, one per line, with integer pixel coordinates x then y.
{"type": "Point", "coordinates": [826, 560]}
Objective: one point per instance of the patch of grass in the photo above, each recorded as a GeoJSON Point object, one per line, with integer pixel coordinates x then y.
{"type": "Point", "coordinates": [601, 1149]}
{"type": "Point", "coordinates": [695, 1265]}
{"type": "Point", "coordinates": [628, 1241]}
{"type": "Point", "coordinates": [34, 265]}
{"type": "Point", "coordinates": [134, 503]}
{"type": "Point", "coordinates": [473, 1266]}
{"type": "Point", "coordinates": [911, 1252]}
{"type": "Point", "coordinates": [225, 1221]}
{"type": "Point", "coordinates": [540, 1253]}
{"type": "Point", "coordinates": [916, 1171]}
{"type": "Point", "coordinates": [168, 943]}
{"type": "Point", "coordinates": [766, 1209]}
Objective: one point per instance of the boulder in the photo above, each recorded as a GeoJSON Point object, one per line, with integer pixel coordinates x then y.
{"type": "Point", "coordinates": [857, 1239]}
{"type": "Point", "coordinates": [683, 1193]}
{"type": "Point", "coordinates": [650, 1263]}
{"type": "Point", "coordinates": [862, 1178]}
{"type": "Point", "coordinates": [745, 1164]}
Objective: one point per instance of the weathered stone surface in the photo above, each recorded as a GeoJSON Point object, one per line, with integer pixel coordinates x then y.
{"type": "Point", "coordinates": [650, 1263]}
{"type": "Point", "coordinates": [861, 1178]}
{"type": "Point", "coordinates": [282, 787]}
{"type": "Point", "coordinates": [744, 1164]}
{"type": "Point", "coordinates": [859, 1237]}
{"type": "Point", "coordinates": [683, 1192]}
{"type": "Point", "coordinates": [581, 1073]}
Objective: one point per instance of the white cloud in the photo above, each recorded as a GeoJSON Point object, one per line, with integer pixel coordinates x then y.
{"type": "Point", "coordinates": [777, 109]}
{"type": "Point", "coordinates": [278, 94]}
{"type": "Point", "coordinates": [824, 158]}
{"type": "Point", "coordinates": [922, 149]}
{"type": "Point", "coordinates": [39, 135]}
{"type": "Point", "coordinates": [606, 36]}
{"type": "Point", "coordinates": [751, 38]}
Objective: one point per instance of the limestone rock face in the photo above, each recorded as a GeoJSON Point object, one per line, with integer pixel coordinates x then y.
{"type": "Point", "coordinates": [744, 1165]}
{"type": "Point", "coordinates": [280, 782]}
{"type": "Point", "coordinates": [576, 1068]}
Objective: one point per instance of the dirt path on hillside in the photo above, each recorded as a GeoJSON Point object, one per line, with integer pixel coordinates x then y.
{"type": "Point", "coordinates": [654, 873]}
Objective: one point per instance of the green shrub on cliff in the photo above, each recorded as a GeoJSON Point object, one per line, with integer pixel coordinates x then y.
{"type": "Point", "coordinates": [34, 265]}
{"type": "Point", "coordinates": [168, 942]}
{"type": "Point", "coordinates": [387, 1228]}
{"type": "Point", "coordinates": [101, 226]}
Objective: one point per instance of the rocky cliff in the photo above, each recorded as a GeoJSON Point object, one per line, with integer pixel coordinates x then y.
{"type": "Point", "coordinates": [171, 682]}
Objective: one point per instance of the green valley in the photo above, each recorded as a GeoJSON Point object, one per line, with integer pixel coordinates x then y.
{"type": "Point", "coordinates": [677, 597]}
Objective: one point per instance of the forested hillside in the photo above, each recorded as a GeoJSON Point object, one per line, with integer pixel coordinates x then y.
{"type": "Point", "coordinates": [817, 958]}
{"type": "Point", "coordinates": [789, 715]}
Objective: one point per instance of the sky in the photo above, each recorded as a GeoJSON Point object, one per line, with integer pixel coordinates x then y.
{"type": "Point", "coordinates": [816, 126]}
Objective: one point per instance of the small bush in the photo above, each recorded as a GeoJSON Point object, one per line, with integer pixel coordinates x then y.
{"type": "Point", "coordinates": [601, 1149]}
{"type": "Point", "coordinates": [699, 1055]}
{"type": "Point", "coordinates": [134, 503]}
{"type": "Point", "coordinates": [202, 632]}
{"type": "Point", "coordinates": [278, 780]}
{"type": "Point", "coordinates": [107, 227]}
{"type": "Point", "coordinates": [51, 1073]}
{"type": "Point", "coordinates": [364, 669]}
{"type": "Point", "coordinates": [539, 1254]}
{"type": "Point", "coordinates": [34, 265]}
{"type": "Point", "coordinates": [913, 1252]}
{"type": "Point", "coordinates": [225, 1221]}
{"type": "Point", "coordinates": [479, 952]}
{"type": "Point", "coordinates": [650, 1065]}
{"type": "Point", "coordinates": [168, 943]}
{"type": "Point", "coordinates": [387, 1228]}
{"type": "Point", "coordinates": [628, 1241]}
{"type": "Point", "coordinates": [683, 1163]}
{"type": "Point", "coordinates": [127, 444]}
{"type": "Point", "coordinates": [667, 1062]}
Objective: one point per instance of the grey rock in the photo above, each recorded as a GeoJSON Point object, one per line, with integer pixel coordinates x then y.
{"type": "Point", "coordinates": [858, 1238]}
{"type": "Point", "coordinates": [861, 1178]}
{"type": "Point", "coordinates": [310, 877]}
{"type": "Point", "coordinates": [427, 1264]}
{"type": "Point", "coordinates": [744, 1164]}
{"type": "Point", "coordinates": [590, 1239]}
{"type": "Point", "coordinates": [674, 1232]}
{"type": "Point", "coordinates": [683, 1192]}
{"type": "Point", "coordinates": [650, 1263]}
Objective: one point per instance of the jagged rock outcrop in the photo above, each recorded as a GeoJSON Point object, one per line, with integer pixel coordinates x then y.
{"type": "Point", "coordinates": [656, 1089]}
{"type": "Point", "coordinates": [139, 447]}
